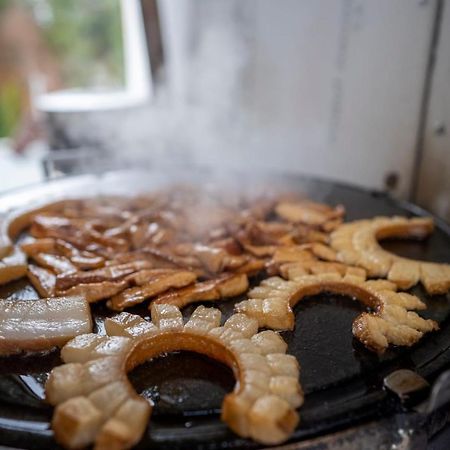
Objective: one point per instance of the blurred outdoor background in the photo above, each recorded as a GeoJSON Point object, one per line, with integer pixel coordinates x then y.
{"type": "Point", "coordinates": [46, 45]}
{"type": "Point", "coordinates": [352, 90]}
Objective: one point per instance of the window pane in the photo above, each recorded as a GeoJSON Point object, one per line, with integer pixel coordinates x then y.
{"type": "Point", "coordinates": [85, 36]}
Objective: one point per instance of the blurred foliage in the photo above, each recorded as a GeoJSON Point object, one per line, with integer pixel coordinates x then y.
{"type": "Point", "coordinates": [86, 37]}
{"type": "Point", "coordinates": [10, 107]}
{"type": "Point", "coordinates": [4, 3]}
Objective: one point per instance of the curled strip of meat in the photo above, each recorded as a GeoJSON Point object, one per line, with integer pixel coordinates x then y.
{"type": "Point", "coordinates": [293, 270]}
{"type": "Point", "coordinates": [390, 322]}
{"type": "Point", "coordinates": [94, 292]}
{"type": "Point", "coordinates": [16, 222]}
{"type": "Point", "coordinates": [208, 235]}
{"type": "Point", "coordinates": [357, 243]}
{"type": "Point", "coordinates": [214, 260]}
{"type": "Point", "coordinates": [92, 394]}
{"type": "Point", "coordinates": [227, 285]}
{"type": "Point", "coordinates": [108, 273]}
{"type": "Point", "coordinates": [150, 284]}
{"type": "Point", "coordinates": [303, 254]}
{"type": "Point", "coordinates": [83, 260]}
{"type": "Point", "coordinates": [56, 263]}
{"type": "Point", "coordinates": [310, 213]}
{"type": "Point", "coordinates": [78, 232]}
{"type": "Point", "coordinates": [35, 325]}
{"type": "Point", "coordinates": [252, 267]}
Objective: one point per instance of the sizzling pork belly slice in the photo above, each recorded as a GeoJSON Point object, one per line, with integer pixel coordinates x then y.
{"type": "Point", "coordinates": [83, 260]}
{"type": "Point", "coordinates": [43, 280]}
{"type": "Point", "coordinates": [94, 292]}
{"type": "Point", "coordinates": [225, 286]}
{"type": "Point", "coordinates": [81, 233]}
{"type": "Point", "coordinates": [13, 266]}
{"type": "Point", "coordinates": [150, 284]}
{"type": "Point", "coordinates": [310, 213]}
{"type": "Point", "coordinates": [214, 260]}
{"type": "Point", "coordinates": [109, 273]}
{"type": "Point", "coordinates": [95, 403]}
{"type": "Point", "coordinates": [357, 243]}
{"type": "Point", "coordinates": [391, 321]}
{"type": "Point", "coordinates": [35, 325]}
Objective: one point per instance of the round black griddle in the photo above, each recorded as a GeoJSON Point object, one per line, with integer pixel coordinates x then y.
{"type": "Point", "coordinates": [342, 380]}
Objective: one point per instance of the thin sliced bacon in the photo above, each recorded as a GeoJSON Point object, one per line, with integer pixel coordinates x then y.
{"type": "Point", "coordinates": [36, 246]}
{"type": "Point", "coordinates": [35, 325]}
{"type": "Point", "coordinates": [82, 259]}
{"type": "Point", "coordinates": [43, 280]}
{"type": "Point", "coordinates": [56, 263]}
{"type": "Point", "coordinates": [214, 260]}
{"type": "Point", "coordinates": [13, 266]}
{"type": "Point", "coordinates": [76, 231]}
{"type": "Point", "coordinates": [108, 273]}
{"type": "Point", "coordinates": [94, 292]}
{"type": "Point", "coordinates": [142, 255]}
{"type": "Point", "coordinates": [156, 284]}
{"type": "Point", "coordinates": [252, 267]}
{"type": "Point", "coordinates": [307, 212]}
{"type": "Point", "coordinates": [228, 285]}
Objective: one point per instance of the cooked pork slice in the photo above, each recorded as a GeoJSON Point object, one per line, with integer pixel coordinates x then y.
{"type": "Point", "coordinates": [94, 292]}
{"type": "Point", "coordinates": [35, 325]}
{"type": "Point", "coordinates": [43, 280]}
{"type": "Point", "coordinates": [404, 273]}
{"type": "Point", "coordinates": [83, 259]}
{"type": "Point", "coordinates": [357, 243]}
{"type": "Point", "coordinates": [44, 245]}
{"type": "Point", "coordinates": [271, 418]}
{"type": "Point", "coordinates": [45, 226]}
{"type": "Point", "coordinates": [214, 260]}
{"type": "Point", "coordinates": [129, 325]}
{"type": "Point", "coordinates": [126, 427]}
{"type": "Point", "coordinates": [76, 231]}
{"type": "Point", "coordinates": [167, 258]}
{"type": "Point", "coordinates": [297, 253]}
{"type": "Point", "coordinates": [323, 252]}
{"type": "Point", "coordinates": [167, 317]}
{"type": "Point", "coordinates": [260, 250]}
{"type": "Point", "coordinates": [229, 244]}
{"type": "Point", "coordinates": [307, 212]}
{"type": "Point", "coordinates": [264, 233]}
{"type": "Point", "coordinates": [56, 263]}
{"type": "Point", "coordinates": [144, 276]}
{"type": "Point", "coordinates": [157, 284]}
{"type": "Point", "coordinates": [6, 245]}
{"type": "Point", "coordinates": [227, 285]}
{"type": "Point", "coordinates": [108, 273]}
{"type": "Point", "coordinates": [13, 266]}
{"type": "Point", "coordinates": [95, 372]}
{"type": "Point", "coordinates": [142, 255]}
{"type": "Point", "coordinates": [435, 277]}
{"type": "Point", "coordinates": [252, 267]}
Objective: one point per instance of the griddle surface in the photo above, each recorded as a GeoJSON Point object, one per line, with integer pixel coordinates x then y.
{"type": "Point", "coordinates": [342, 380]}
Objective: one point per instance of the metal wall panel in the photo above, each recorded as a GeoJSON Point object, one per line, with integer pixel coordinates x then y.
{"type": "Point", "coordinates": [325, 87]}
{"type": "Point", "coordinates": [434, 180]}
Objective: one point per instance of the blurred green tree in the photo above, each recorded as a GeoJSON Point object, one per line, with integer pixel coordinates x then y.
{"type": "Point", "coordinates": [86, 36]}
{"type": "Point", "coordinates": [10, 107]}
{"type": "Point", "coordinates": [83, 36]}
